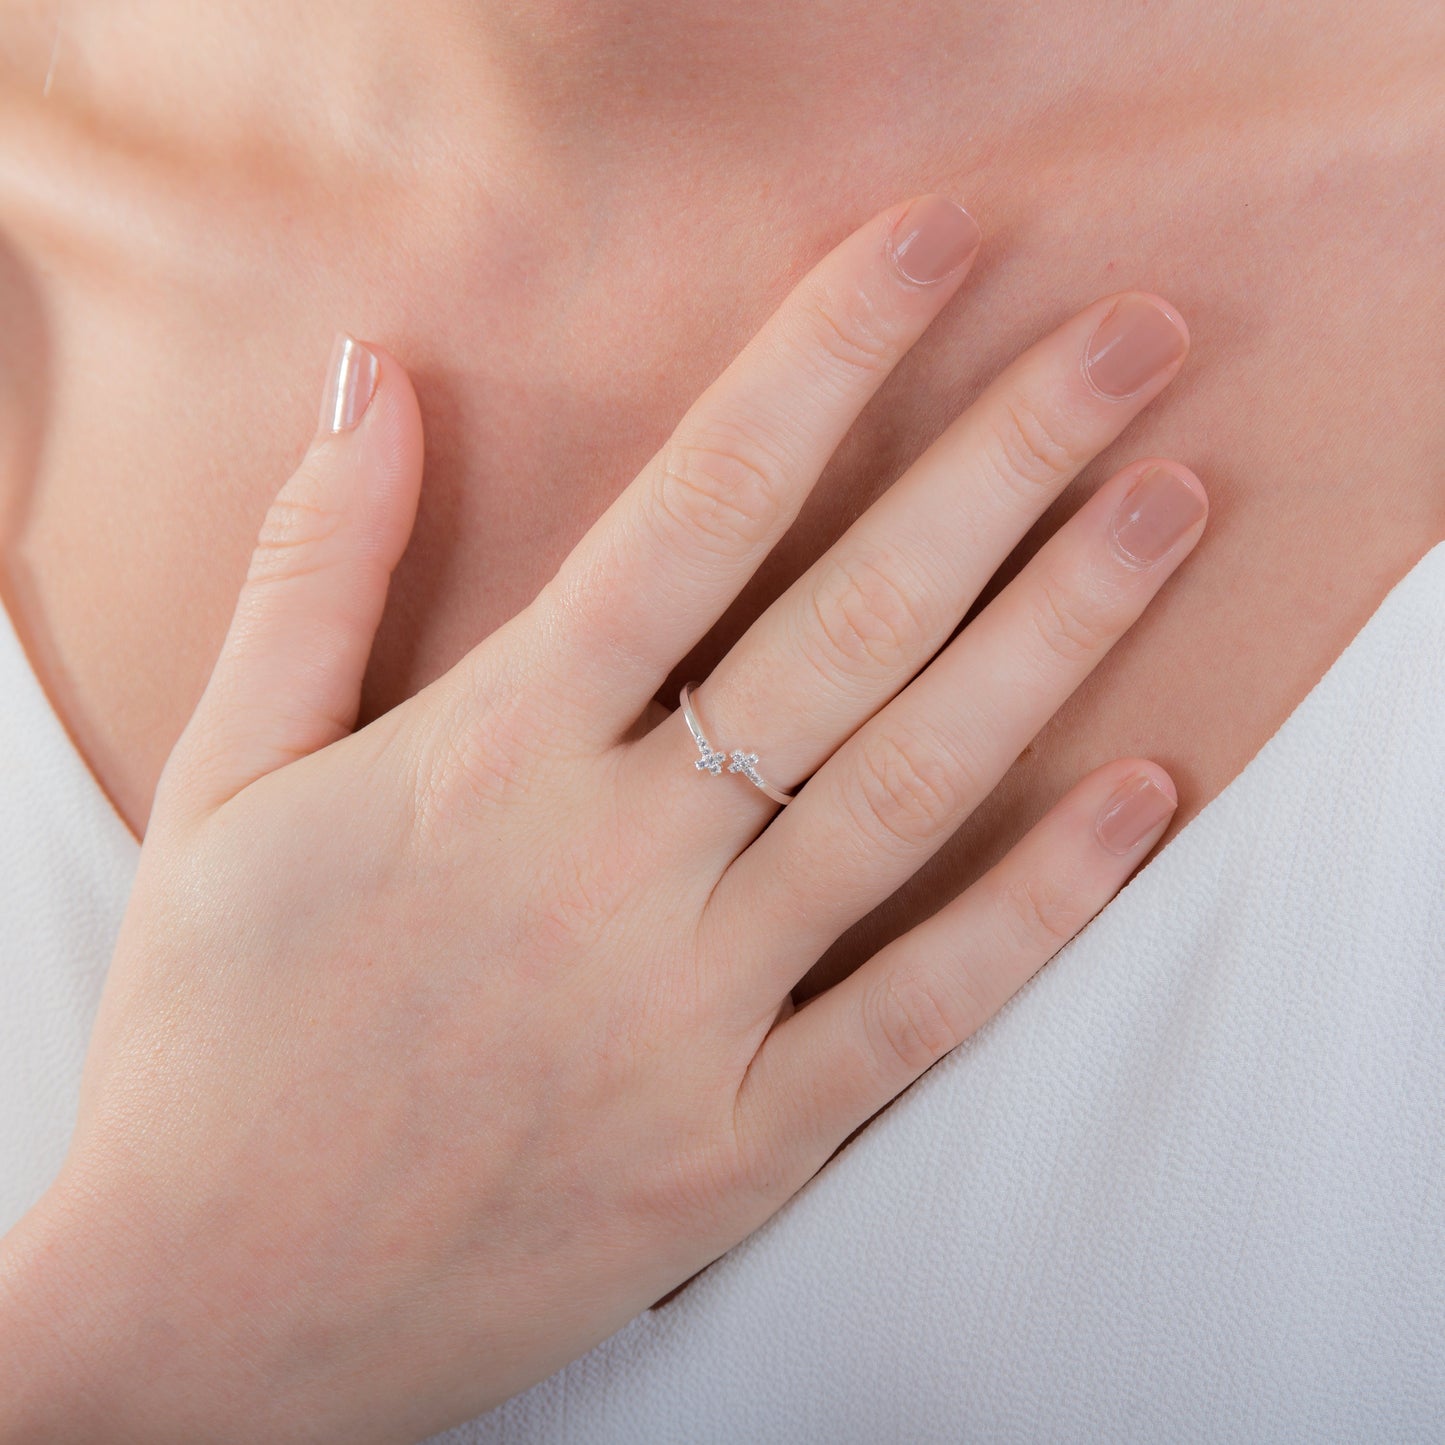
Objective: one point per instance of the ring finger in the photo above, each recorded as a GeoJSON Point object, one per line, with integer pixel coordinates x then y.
{"type": "Point", "coordinates": [891, 796]}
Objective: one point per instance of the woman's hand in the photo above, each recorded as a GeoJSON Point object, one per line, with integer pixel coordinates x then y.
{"type": "Point", "coordinates": [433, 1052]}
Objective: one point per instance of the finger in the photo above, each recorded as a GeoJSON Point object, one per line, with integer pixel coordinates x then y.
{"type": "Point", "coordinates": [889, 798]}
{"type": "Point", "coordinates": [667, 558]}
{"type": "Point", "coordinates": [840, 1058]}
{"type": "Point", "coordinates": [873, 609]}
{"type": "Point", "coordinates": [288, 677]}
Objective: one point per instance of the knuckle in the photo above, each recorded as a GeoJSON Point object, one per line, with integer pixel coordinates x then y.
{"type": "Point", "coordinates": [185, 784]}
{"type": "Point", "coordinates": [909, 1022]}
{"type": "Point", "coordinates": [1072, 626]}
{"type": "Point", "coordinates": [471, 758]}
{"type": "Point", "coordinates": [847, 328]}
{"type": "Point", "coordinates": [296, 525]}
{"type": "Point", "coordinates": [584, 890]}
{"type": "Point", "coordinates": [764, 1162]}
{"type": "Point", "coordinates": [868, 617]}
{"type": "Point", "coordinates": [725, 485]}
{"type": "Point", "coordinates": [908, 789]}
{"type": "Point", "coordinates": [581, 605]}
{"type": "Point", "coordinates": [1040, 914]}
{"type": "Point", "coordinates": [1029, 454]}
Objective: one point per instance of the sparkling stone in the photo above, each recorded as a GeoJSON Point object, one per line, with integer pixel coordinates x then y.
{"type": "Point", "coordinates": [711, 760]}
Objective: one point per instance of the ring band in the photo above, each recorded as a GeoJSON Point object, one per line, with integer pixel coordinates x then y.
{"type": "Point", "coordinates": [712, 760]}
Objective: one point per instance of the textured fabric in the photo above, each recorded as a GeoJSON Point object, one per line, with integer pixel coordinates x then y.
{"type": "Point", "coordinates": [1189, 1185]}
{"type": "Point", "coordinates": [67, 862]}
{"type": "Point", "coordinates": [1186, 1186]}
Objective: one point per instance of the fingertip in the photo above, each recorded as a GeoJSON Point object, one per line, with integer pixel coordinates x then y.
{"type": "Point", "coordinates": [1164, 304]}
{"type": "Point", "coordinates": [1141, 466]}
{"type": "Point", "coordinates": [1145, 767]}
{"type": "Point", "coordinates": [351, 376]}
{"type": "Point", "coordinates": [369, 404]}
{"type": "Point", "coordinates": [1137, 807]}
{"type": "Point", "coordinates": [931, 238]}
{"type": "Point", "coordinates": [1110, 776]}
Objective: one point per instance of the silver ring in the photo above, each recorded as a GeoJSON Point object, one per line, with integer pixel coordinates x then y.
{"type": "Point", "coordinates": [712, 760]}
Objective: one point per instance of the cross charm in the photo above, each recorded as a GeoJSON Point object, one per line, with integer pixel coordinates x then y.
{"type": "Point", "coordinates": [711, 760]}
{"type": "Point", "coordinates": [746, 764]}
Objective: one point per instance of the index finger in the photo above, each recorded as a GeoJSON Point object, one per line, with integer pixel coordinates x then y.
{"type": "Point", "coordinates": [668, 557]}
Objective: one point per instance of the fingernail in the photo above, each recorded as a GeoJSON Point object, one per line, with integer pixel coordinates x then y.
{"type": "Point", "coordinates": [1154, 514]}
{"type": "Point", "coordinates": [932, 239]}
{"type": "Point", "coordinates": [350, 383]}
{"type": "Point", "coordinates": [1132, 812]}
{"type": "Point", "coordinates": [1131, 346]}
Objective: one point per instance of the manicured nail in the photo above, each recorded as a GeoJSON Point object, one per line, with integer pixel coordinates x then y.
{"type": "Point", "coordinates": [932, 239]}
{"type": "Point", "coordinates": [1132, 812]}
{"type": "Point", "coordinates": [1131, 346]}
{"type": "Point", "coordinates": [1154, 514]}
{"type": "Point", "coordinates": [350, 382]}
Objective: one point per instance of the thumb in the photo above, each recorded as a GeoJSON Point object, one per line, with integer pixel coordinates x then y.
{"type": "Point", "coordinates": [288, 678]}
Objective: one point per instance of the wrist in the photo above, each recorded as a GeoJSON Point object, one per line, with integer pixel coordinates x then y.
{"type": "Point", "coordinates": [76, 1311]}
{"type": "Point", "coordinates": [100, 1339]}
{"type": "Point", "coordinates": [51, 1364]}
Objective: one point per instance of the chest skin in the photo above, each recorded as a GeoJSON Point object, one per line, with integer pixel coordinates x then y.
{"type": "Point", "coordinates": [169, 316]}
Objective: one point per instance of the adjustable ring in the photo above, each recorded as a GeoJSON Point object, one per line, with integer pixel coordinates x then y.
{"type": "Point", "coordinates": [712, 760]}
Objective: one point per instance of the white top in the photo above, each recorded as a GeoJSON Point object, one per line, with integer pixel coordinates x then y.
{"type": "Point", "coordinates": [1188, 1185]}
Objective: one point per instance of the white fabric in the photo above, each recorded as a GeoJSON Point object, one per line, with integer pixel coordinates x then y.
{"type": "Point", "coordinates": [1188, 1185]}
{"type": "Point", "coordinates": [67, 862]}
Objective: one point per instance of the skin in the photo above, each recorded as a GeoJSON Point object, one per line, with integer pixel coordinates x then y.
{"type": "Point", "coordinates": [170, 160]}
{"type": "Point", "coordinates": [588, 1081]}
{"type": "Point", "coordinates": [567, 221]}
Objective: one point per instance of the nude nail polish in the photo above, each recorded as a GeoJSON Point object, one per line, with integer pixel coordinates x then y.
{"type": "Point", "coordinates": [1132, 812]}
{"type": "Point", "coordinates": [1134, 342]}
{"type": "Point", "coordinates": [350, 384]}
{"type": "Point", "coordinates": [932, 239]}
{"type": "Point", "coordinates": [1153, 515]}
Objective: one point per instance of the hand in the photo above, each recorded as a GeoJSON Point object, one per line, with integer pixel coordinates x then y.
{"type": "Point", "coordinates": [434, 1051]}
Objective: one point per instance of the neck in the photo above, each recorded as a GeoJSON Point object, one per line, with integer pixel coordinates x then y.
{"type": "Point", "coordinates": [587, 86]}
